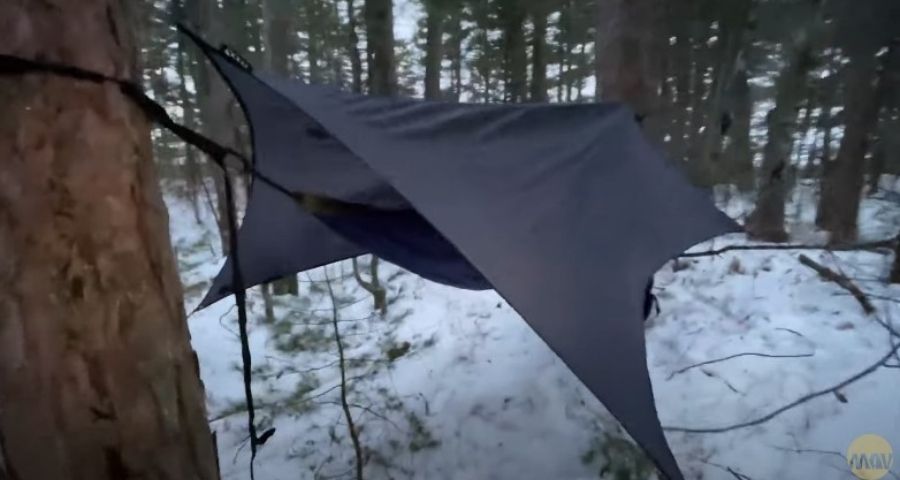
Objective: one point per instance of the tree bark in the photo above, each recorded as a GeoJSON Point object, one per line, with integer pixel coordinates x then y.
{"type": "Point", "coordinates": [539, 54]}
{"type": "Point", "coordinates": [97, 377]}
{"type": "Point", "coordinates": [434, 43]}
{"type": "Point", "coordinates": [193, 163]}
{"type": "Point", "coordinates": [278, 45]}
{"type": "Point", "coordinates": [515, 55]}
{"type": "Point", "coordinates": [738, 153]}
{"type": "Point", "coordinates": [767, 220]}
{"type": "Point", "coordinates": [733, 21]}
{"type": "Point", "coordinates": [380, 46]}
{"type": "Point", "coordinates": [353, 48]}
{"type": "Point", "coordinates": [842, 187]}
{"type": "Point", "coordinates": [278, 49]}
{"type": "Point", "coordinates": [629, 68]}
{"type": "Point", "coordinates": [456, 43]}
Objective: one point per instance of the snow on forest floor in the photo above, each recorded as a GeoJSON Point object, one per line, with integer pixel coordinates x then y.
{"type": "Point", "coordinates": [452, 384]}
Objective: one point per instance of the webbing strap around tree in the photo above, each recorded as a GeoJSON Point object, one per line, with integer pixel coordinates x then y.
{"type": "Point", "coordinates": [11, 65]}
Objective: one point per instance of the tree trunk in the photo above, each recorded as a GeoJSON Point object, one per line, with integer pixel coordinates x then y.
{"type": "Point", "coordinates": [313, 43]}
{"type": "Point", "coordinates": [455, 53]}
{"type": "Point", "coordinates": [353, 48]}
{"type": "Point", "coordinates": [278, 50]}
{"type": "Point", "coordinates": [680, 54]}
{"type": "Point", "coordinates": [268, 303]}
{"type": "Point", "coordinates": [380, 46]}
{"type": "Point", "coordinates": [738, 153]}
{"type": "Point", "coordinates": [767, 220]}
{"type": "Point", "coordinates": [733, 22]}
{"type": "Point", "coordinates": [97, 376]}
{"type": "Point", "coordinates": [192, 163]}
{"type": "Point", "coordinates": [374, 287]}
{"type": "Point", "coordinates": [539, 54]}
{"type": "Point", "coordinates": [383, 81]}
{"type": "Point", "coordinates": [213, 100]}
{"type": "Point", "coordinates": [629, 68]}
{"type": "Point", "coordinates": [563, 49]}
{"type": "Point", "coordinates": [434, 42]}
{"type": "Point", "coordinates": [278, 45]}
{"type": "Point", "coordinates": [842, 187]}
{"type": "Point", "coordinates": [895, 267]}
{"type": "Point", "coordinates": [515, 55]}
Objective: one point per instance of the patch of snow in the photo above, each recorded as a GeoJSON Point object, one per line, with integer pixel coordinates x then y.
{"type": "Point", "coordinates": [453, 384]}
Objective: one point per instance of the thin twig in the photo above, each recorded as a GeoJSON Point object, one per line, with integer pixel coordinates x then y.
{"type": "Point", "coordinates": [746, 354]}
{"type": "Point", "coordinates": [733, 472]}
{"type": "Point", "coordinates": [369, 410]}
{"type": "Point", "coordinates": [841, 456]}
{"type": "Point", "coordinates": [873, 245]}
{"type": "Point", "coordinates": [354, 434]}
{"type": "Point", "coordinates": [795, 403]}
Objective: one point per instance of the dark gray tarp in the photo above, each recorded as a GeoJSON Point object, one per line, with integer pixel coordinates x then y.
{"type": "Point", "coordinates": [566, 210]}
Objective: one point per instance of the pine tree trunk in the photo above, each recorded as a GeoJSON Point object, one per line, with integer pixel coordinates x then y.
{"type": "Point", "coordinates": [515, 55]}
{"type": "Point", "coordinates": [277, 38]}
{"type": "Point", "coordinates": [383, 78]}
{"type": "Point", "coordinates": [842, 187]}
{"type": "Point", "coordinates": [738, 154]}
{"type": "Point", "coordinates": [733, 20]}
{"type": "Point", "coordinates": [680, 54]}
{"type": "Point", "coordinates": [380, 46]}
{"type": "Point", "coordinates": [434, 42]}
{"type": "Point", "coordinates": [767, 220]}
{"type": "Point", "coordinates": [278, 49]}
{"type": "Point", "coordinates": [455, 53]}
{"type": "Point", "coordinates": [353, 48]}
{"type": "Point", "coordinates": [539, 55]}
{"type": "Point", "coordinates": [629, 69]}
{"type": "Point", "coordinates": [895, 267]}
{"type": "Point", "coordinates": [192, 164]}
{"type": "Point", "coordinates": [97, 376]}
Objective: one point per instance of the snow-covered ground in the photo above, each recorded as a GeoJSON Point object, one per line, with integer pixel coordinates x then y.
{"type": "Point", "coordinates": [452, 384]}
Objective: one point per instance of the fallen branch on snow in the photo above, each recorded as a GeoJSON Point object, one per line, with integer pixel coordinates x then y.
{"type": "Point", "coordinates": [841, 280]}
{"type": "Point", "coordinates": [765, 418]}
{"type": "Point", "coordinates": [746, 354]}
{"type": "Point", "coordinates": [872, 246]}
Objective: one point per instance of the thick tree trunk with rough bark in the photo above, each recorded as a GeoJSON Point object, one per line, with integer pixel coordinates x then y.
{"type": "Point", "coordinates": [630, 67]}
{"type": "Point", "coordinates": [97, 376]}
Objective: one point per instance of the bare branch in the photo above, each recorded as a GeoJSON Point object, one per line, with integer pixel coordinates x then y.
{"type": "Point", "coordinates": [765, 418]}
{"type": "Point", "coordinates": [872, 246]}
{"type": "Point", "coordinates": [746, 354]}
{"type": "Point", "coordinates": [354, 434]}
{"type": "Point", "coordinates": [841, 280]}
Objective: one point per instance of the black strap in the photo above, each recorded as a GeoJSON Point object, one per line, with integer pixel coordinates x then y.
{"type": "Point", "coordinates": [10, 65]}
